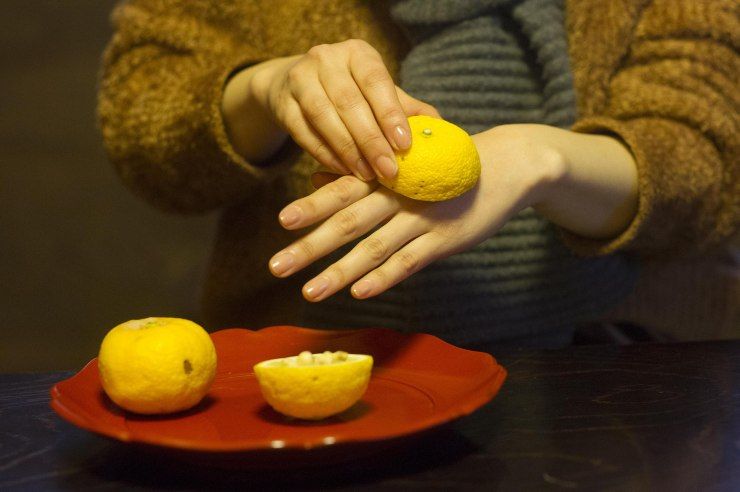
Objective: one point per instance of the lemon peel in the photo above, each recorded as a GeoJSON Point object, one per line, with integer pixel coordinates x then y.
{"type": "Point", "coordinates": [314, 390]}
{"type": "Point", "coordinates": [441, 164]}
{"type": "Point", "coordinates": [157, 365]}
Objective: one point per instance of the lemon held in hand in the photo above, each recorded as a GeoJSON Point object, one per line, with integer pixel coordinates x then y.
{"type": "Point", "coordinates": [442, 162]}
{"type": "Point", "coordinates": [157, 365]}
{"type": "Point", "coordinates": [314, 386]}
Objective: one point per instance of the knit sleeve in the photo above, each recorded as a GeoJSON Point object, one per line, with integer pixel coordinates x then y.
{"type": "Point", "coordinates": [160, 94]}
{"type": "Point", "coordinates": [674, 103]}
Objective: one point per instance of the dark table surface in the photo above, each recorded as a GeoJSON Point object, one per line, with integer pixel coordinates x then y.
{"type": "Point", "coordinates": [637, 417]}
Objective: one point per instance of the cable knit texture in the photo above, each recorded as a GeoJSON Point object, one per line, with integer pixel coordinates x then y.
{"type": "Point", "coordinates": [483, 64]}
{"type": "Point", "coordinates": [660, 75]}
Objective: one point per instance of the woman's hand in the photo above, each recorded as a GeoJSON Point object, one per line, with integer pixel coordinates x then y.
{"type": "Point", "coordinates": [515, 174]}
{"type": "Point", "coordinates": [338, 102]}
{"type": "Point", "coordinates": [586, 183]}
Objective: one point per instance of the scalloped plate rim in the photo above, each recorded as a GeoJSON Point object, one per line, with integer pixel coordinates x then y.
{"type": "Point", "coordinates": [473, 399]}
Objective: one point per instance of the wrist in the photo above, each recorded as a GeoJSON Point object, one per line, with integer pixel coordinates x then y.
{"type": "Point", "coordinates": [250, 125]}
{"type": "Point", "coordinates": [526, 159]}
{"type": "Point", "coordinates": [595, 194]}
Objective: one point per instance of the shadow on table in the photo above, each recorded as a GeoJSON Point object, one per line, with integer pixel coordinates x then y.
{"type": "Point", "coordinates": [407, 461]}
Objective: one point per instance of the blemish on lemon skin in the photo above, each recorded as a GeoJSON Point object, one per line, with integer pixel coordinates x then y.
{"type": "Point", "coordinates": [135, 371]}
{"type": "Point", "coordinates": [427, 132]}
{"type": "Point", "coordinates": [140, 324]}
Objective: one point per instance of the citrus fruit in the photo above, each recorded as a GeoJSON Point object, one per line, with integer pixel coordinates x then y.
{"type": "Point", "coordinates": [157, 365]}
{"type": "Point", "coordinates": [314, 386]}
{"type": "Point", "coordinates": [442, 162]}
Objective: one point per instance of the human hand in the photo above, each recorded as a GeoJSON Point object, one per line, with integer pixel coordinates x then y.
{"type": "Point", "coordinates": [340, 104]}
{"type": "Point", "coordinates": [516, 172]}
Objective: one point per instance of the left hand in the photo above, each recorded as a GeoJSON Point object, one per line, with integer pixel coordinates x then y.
{"type": "Point", "coordinates": [516, 173]}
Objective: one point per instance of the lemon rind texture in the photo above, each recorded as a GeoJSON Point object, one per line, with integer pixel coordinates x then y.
{"type": "Point", "coordinates": [434, 172]}
{"type": "Point", "coordinates": [314, 392]}
{"type": "Point", "coordinates": [145, 371]}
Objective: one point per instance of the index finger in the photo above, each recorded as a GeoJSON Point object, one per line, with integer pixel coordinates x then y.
{"type": "Point", "coordinates": [378, 88]}
{"type": "Point", "coordinates": [324, 202]}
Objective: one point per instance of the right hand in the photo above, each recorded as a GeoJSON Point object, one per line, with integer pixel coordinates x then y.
{"type": "Point", "coordinates": [340, 104]}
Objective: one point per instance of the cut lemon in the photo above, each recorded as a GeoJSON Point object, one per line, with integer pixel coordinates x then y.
{"type": "Point", "coordinates": [314, 386]}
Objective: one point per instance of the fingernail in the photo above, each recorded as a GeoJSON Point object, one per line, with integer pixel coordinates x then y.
{"type": "Point", "coordinates": [366, 173]}
{"type": "Point", "coordinates": [290, 215]}
{"type": "Point", "coordinates": [402, 138]}
{"type": "Point", "coordinates": [316, 287]}
{"type": "Point", "coordinates": [387, 167]}
{"type": "Point", "coordinates": [362, 288]}
{"type": "Point", "coordinates": [281, 263]}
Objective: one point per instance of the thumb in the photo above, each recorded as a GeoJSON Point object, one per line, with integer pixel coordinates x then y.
{"type": "Point", "coordinates": [413, 106]}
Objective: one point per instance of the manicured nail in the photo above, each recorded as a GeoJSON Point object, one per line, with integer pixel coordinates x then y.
{"type": "Point", "coordinates": [387, 167]}
{"type": "Point", "coordinates": [290, 215]}
{"type": "Point", "coordinates": [316, 287]}
{"type": "Point", "coordinates": [366, 173]}
{"type": "Point", "coordinates": [402, 138]}
{"type": "Point", "coordinates": [282, 263]}
{"type": "Point", "coordinates": [362, 288]}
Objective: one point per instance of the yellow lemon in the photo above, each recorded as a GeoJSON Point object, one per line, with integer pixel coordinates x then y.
{"type": "Point", "coordinates": [442, 162]}
{"type": "Point", "coordinates": [157, 365]}
{"type": "Point", "coordinates": [314, 386]}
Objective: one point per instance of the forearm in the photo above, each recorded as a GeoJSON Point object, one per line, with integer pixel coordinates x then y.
{"type": "Point", "coordinates": [253, 132]}
{"type": "Point", "coordinates": [594, 194]}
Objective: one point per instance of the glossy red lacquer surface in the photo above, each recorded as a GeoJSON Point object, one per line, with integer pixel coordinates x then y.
{"type": "Point", "coordinates": [418, 382]}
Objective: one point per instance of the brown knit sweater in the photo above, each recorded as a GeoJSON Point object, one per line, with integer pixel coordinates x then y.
{"type": "Point", "coordinates": [660, 75]}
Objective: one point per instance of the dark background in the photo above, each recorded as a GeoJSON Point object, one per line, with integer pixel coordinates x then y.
{"type": "Point", "coordinates": [80, 254]}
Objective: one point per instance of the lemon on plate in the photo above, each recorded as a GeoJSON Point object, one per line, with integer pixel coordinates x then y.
{"type": "Point", "coordinates": [314, 386]}
{"type": "Point", "coordinates": [441, 164]}
{"type": "Point", "coordinates": [157, 365]}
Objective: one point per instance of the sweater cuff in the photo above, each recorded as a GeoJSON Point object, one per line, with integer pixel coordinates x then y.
{"type": "Point", "coordinates": [633, 233]}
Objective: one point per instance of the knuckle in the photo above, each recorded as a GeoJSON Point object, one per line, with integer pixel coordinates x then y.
{"type": "Point", "coordinates": [430, 109]}
{"type": "Point", "coordinates": [295, 74]}
{"type": "Point", "coordinates": [409, 262]}
{"type": "Point", "coordinates": [317, 107]}
{"type": "Point", "coordinates": [355, 43]}
{"type": "Point", "coordinates": [308, 206]}
{"type": "Point", "coordinates": [338, 274]}
{"type": "Point", "coordinates": [345, 222]}
{"type": "Point", "coordinates": [375, 76]}
{"type": "Point", "coordinates": [373, 140]}
{"type": "Point", "coordinates": [375, 248]}
{"type": "Point", "coordinates": [381, 277]}
{"type": "Point", "coordinates": [347, 99]}
{"type": "Point", "coordinates": [348, 149]}
{"type": "Point", "coordinates": [391, 112]}
{"type": "Point", "coordinates": [341, 189]}
{"type": "Point", "coordinates": [319, 51]}
{"type": "Point", "coordinates": [306, 248]}
{"type": "Point", "coordinates": [320, 151]}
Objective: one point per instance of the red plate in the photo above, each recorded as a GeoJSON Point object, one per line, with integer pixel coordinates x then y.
{"type": "Point", "coordinates": [418, 382]}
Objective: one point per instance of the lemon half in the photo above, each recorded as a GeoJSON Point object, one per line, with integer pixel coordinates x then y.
{"type": "Point", "coordinates": [313, 391]}
{"type": "Point", "coordinates": [157, 365]}
{"type": "Point", "coordinates": [441, 164]}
